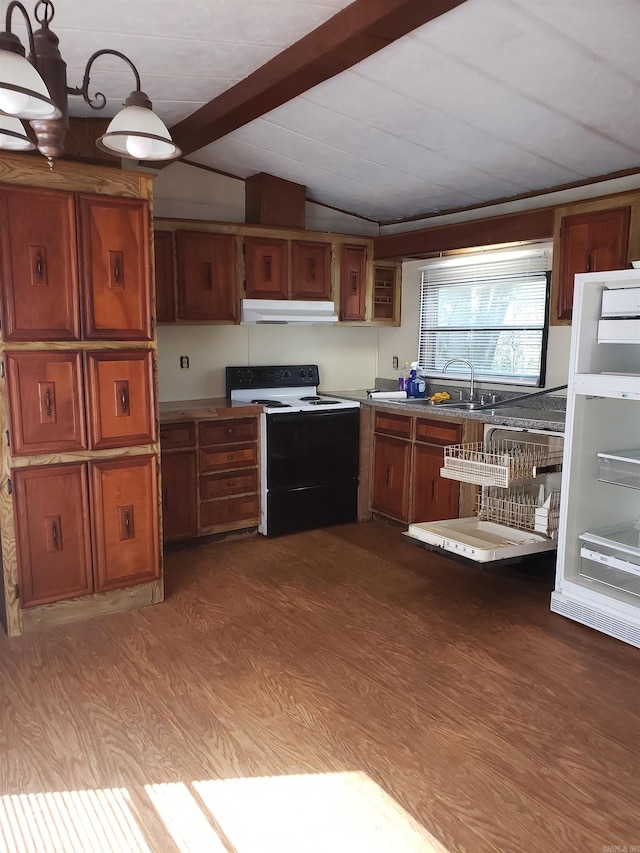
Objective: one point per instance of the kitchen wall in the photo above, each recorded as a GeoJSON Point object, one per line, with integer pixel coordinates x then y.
{"type": "Point", "coordinates": [348, 357]}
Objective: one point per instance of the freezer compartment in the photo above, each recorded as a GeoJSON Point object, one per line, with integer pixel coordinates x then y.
{"type": "Point", "coordinates": [482, 541]}
{"type": "Point", "coordinates": [620, 467]}
{"type": "Point", "coordinates": [499, 461]}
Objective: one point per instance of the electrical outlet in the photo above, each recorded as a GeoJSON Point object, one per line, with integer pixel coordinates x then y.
{"type": "Point", "coordinates": [184, 361]}
{"type": "Point", "coordinates": [395, 362]}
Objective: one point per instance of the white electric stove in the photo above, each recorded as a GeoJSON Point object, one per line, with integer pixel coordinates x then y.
{"type": "Point", "coordinates": [310, 447]}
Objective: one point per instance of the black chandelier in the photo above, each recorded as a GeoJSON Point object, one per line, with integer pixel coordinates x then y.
{"type": "Point", "coordinates": [35, 90]}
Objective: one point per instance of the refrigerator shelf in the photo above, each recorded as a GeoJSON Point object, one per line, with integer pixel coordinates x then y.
{"type": "Point", "coordinates": [499, 462]}
{"type": "Point", "coordinates": [624, 538]}
{"type": "Point", "coordinates": [620, 467]}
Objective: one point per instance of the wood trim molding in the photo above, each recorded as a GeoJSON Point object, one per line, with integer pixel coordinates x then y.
{"type": "Point", "coordinates": [353, 34]}
{"type": "Point", "coordinates": [509, 228]}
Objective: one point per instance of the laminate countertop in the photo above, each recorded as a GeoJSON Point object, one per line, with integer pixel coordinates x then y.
{"type": "Point", "coordinates": [529, 417]}
{"type": "Point", "coordinates": [206, 409]}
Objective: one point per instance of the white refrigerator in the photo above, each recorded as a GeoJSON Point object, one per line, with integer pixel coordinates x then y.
{"type": "Point", "coordinates": [598, 563]}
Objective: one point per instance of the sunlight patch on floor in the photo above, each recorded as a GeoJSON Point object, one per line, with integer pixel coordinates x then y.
{"type": "Point", "coordinates": [99, 821]}
{"type": "Point", "coordinates": [307, 813]}
{"type": "Point", "coordinates": [315, 813]}
{"type": "Point", "coordinates": [184, 819]}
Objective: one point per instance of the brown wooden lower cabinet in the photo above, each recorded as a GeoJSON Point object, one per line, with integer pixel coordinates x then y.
{"type": "Point", "coordinates": [407, 457]}
{"type": "Point", "coordinates": [82, 528]}
{"type": "Point", "coordinates": [210, 480]}
{"type": "Point", "coordinates": [51, 511]}
{"type": "Point", "coordinates": [391, 469]}
{"type": "Point", "coordinates": [124, 495]}
{"type": "Point", "coordinates": [179, 495]}
{"type": "Point", "coordinates": [432, 496]}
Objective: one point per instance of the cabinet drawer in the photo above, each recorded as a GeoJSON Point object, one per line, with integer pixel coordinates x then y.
{"type": "Point", "coordinates": [178, 435]}
{"type": "Point", "coordinates": [238, 456]}
{"type": "Point", "coordinates": [438, 432]}
{"type": "Point", "coordinates": [391, 424]}
{"type": "Point", "coordinates": [228, 431]}
{"type": "Point", "coordinates": [222, 485]}
{"type": "Point", "coordinates": [246, 508]}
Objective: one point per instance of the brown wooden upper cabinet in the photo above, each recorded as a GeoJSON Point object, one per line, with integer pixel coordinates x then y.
{"type": "Point", "coordinates": [46, 411]}
{"type": "Point", "coordinates": [38, 271]}
{"type": "Point", "coordinates": [590, 242]}
{"type": "Point", "coordinates": [266, 268]}
{"type": "Point", "coordinates": [51, 511]}
{"type": "Point", "coordinates": [207, 280]}
{"type": "Point", "coordinates": [386, 293]}
{"type": "Point", "coordinates": [114, 264]}
{"type": "Point", "coordinates": [120, 396]}
{"type": "Point", "coordinates": [310, 270]}
{"type": "Point", "coordinates": [353, 282]}
{"type": "Point", "coordinates": [165, 276]}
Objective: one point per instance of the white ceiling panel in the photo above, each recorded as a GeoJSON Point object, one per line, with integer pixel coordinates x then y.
{"type": "Point", "coordinates": [493, 99]}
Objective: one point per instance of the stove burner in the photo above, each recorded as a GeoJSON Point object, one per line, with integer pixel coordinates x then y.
{"type": "Point", "coordinates": [273, 404]}
{"type": "Point", "coordinates": [318, 401]}
{"type": "Point", "coordinates": [310, 399]}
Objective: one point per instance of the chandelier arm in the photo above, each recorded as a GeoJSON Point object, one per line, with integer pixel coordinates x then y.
{"type": "Point", "coordinates": [17, 5]}
{"type": "Point", "coordinates": [98, 101]}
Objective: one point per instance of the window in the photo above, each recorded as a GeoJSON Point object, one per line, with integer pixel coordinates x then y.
{"type": "Point", "coordinates": [489, 308]}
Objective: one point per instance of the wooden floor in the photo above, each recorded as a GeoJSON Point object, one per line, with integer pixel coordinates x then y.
{"type": "Point", "coordinates": [339, 690]}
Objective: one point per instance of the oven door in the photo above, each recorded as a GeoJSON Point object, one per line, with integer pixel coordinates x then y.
{"type": "Point", "coordinates": [312, 461]}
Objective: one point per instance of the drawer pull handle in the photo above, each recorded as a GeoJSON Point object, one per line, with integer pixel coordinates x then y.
{"type": "Point", "coordinates": [39, 268]}
{"type": "Point", "coordinates": [230, 430]}
{"type": "Point", "coordinates": [47, 401]}
{"type": "Point", "coordinates": [229, 457]}
{"type": "Point", "coordinates": [354, 281]}
{"type": "Point", "coordinates": [124, 400]}
{"type": "Point", "coordinates": [54, 536]}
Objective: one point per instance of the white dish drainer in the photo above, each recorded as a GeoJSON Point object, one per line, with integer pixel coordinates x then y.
{"type": "Point", "coordinates": [499, 462]}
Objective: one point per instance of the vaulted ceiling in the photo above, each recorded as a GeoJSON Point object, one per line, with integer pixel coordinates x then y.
{"type": "Point", "coordinates": [491, 99]}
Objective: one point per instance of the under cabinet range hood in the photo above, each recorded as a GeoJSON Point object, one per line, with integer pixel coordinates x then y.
{"type": "Point", "coordinates": [298, 311]}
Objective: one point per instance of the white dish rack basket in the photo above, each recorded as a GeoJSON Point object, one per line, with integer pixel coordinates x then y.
{"type": "Point", "coordinates": [499, 462]}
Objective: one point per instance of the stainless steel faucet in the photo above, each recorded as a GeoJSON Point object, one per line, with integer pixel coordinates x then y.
{"type": "Point", "coordinates": [470, 366]}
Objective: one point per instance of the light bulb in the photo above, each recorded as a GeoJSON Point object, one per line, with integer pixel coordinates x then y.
{"type": "Point", "coordinates": [12, 103]}
{"type": "Point", "coordinates": [139, 146]}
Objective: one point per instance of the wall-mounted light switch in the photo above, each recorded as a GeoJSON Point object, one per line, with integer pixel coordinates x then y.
{"type": "Point", "coordinates": [184, 361]}
{"type": "Point", "coordinates": [395, 362]}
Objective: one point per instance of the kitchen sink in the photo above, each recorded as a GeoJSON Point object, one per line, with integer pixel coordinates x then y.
{"type": "Point", "coordinates": [464, 405]}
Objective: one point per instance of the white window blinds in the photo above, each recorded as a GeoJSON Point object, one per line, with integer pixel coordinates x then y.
{"type": "Point", "coordinates": [490, 309]}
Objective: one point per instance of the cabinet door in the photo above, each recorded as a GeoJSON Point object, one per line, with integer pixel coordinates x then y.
{"type": "Point", "coordinates": [353, 282]}
{"type": "Point", "coordinates": [46, 412]}
{"type": "Point", "coordinates": [266, 271]}
{"type": "Point", "coordinates": [115, 261]}
{"type": "Point", "coordinates": [590, 242]}
{"type": "Point", "coordinates": [310, 270]}
{"type": "Point", "coordinates": [51, 511]}
{"type": "Point", "coordinates": [179, 497]}
{"type": "Point", "coordinates": [432, 497]}
{"type": "Point", "coordinates": [38, 269]}
{"type": "Point", "coordinates": [165, 276]}
{"type": "Point", "coordinates": [124, 494]}
{"type": "Point", "coordinates": [120, 397]}
{"type": "Point", "coordinates": [386, 294]}
{"type": "Point", "coordinates": [390, 488]}
{"type": "Point", "coordinates": [207, 278]}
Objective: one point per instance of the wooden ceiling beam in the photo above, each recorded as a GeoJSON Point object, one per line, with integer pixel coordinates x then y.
{"type": "Point", "coordinates": [356, 32]}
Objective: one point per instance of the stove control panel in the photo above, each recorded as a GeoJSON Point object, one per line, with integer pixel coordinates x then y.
{"type": "Point", "coordinates": [273, 376]}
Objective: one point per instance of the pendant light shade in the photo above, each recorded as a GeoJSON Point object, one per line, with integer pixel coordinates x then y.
{"type": "Point", "coordinates": [23, 93]}
{"type": "Point", "coordinates": [13, 136]}
{"type": "Point", "coordinates": [137, 132]}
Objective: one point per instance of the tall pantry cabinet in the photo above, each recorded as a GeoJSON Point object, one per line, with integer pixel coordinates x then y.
{"type": "Point", "coordinates": [79, 508]}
